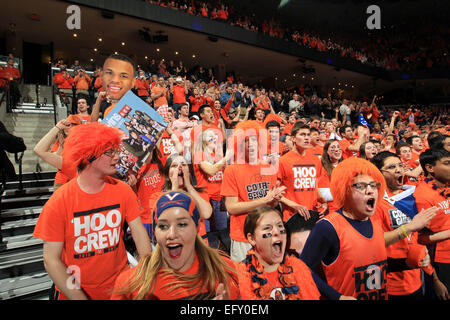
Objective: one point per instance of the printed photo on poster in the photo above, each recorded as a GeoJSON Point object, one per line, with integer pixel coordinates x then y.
{"type": "Point", "coordinates": [142, 126]}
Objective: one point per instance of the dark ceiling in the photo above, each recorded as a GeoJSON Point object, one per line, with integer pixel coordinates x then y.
{"type": "Point", "coordinates": [250, 62]}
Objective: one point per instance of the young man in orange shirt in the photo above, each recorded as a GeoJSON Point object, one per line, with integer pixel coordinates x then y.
{"type": "Point", "coordinates": [299, 172]}
{"type": "Point", "coordinates": [350, 148]}
{"type": "Point", "coordinates": [142, 85]}
{"type": "Point", "coordinates": [82, 223]}
{"type": "Point", "coordinates": [316, 144]}
{"type": "Point", "coordinates": [416, 149]}
{"type": "Point", "coordinates": [434, 191]}
{"type": "Point", "coordinates": [246, 185]}
{"type": "Point", "coordinates": [179, 92]}
{"type": "Point", "coordinates": [160, 95]}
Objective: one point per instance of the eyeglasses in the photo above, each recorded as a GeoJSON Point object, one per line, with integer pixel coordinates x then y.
{"type": "Point", "coordinates": [362, 186]}
{"type": "Point", "coordinates": [112, 152]}
{"type": "Point", "coordinates": [392, 167]}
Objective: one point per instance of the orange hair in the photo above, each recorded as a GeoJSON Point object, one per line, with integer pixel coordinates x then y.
{"type": "Point", "coordinates": [89, 141]}
{"type": "Point", "coordinates": [272, 117]}
{"type": "Point", "coordinates": [244, 129]}
{"type": "Point", "coordinates": [343, 175]}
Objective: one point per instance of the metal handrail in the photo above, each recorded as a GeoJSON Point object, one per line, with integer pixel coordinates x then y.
{"type": "Point", "coordinates": [18, 158]}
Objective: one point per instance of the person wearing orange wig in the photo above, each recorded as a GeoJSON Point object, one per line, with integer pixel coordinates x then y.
{"type": "Point", "coordinates": [247, 184]}
{"type": "Point", "coordinates": [348, 246]}
{"type": "Point", "coordinates": [82, 222]}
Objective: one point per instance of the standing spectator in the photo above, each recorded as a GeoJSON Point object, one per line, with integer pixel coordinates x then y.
{"type": "Point", "coordinates": [182, 266]}
{"type": "Point", "coordinates": [299, 172]}
{"type": "Point", "coordinates": [142, 85]}
{"type": "Point", "coordinates": [357, 186]}
{"type": "Point", "coordinates": [82, 110]}
{"type": "Point", "coordinates": [245, 188]}
{"type": "Point", "coordinates": [64, 223]}
{"type": "Point", "coordinates": [65, 83]}
{"type": "Point", "coordinates": [82, 83]}
{"type": "Point", "coordinates": [434, 191]}
{"type": "Point", "coordinates": [267, 273]}
{"type": "Point", "coordinates": [294, 104]}
{"type": "Point", "coordinates": [160, 96]}
{"type": "Point", "coordinates": [179, 92]}
{"type": "Point", "coordinates": [11, 76]}
{"type": "Point", "coordinates": [209, 174]}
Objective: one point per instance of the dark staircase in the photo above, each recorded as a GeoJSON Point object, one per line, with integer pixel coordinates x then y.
{"type": "Point", "coordinates": [22, 272]}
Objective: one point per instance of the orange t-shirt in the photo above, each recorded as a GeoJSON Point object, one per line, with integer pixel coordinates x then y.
{"type": "Point", "coordinates": [160, 101]}
{"type": "Point", "coordinates": [166, 147]}
{"type": "Point", "coordinates": [427, 197]}
{"type": "Point", "coordinates": [316, 151]}
{"type": "Point", "coordinates": [414, 157]}
{"type": "Point", "coordinates": [344, 146]}
{"type": "Point", "coordinates": [211, 184]}
{"type": "Point", "coordinates": [390, 218]}
{"type": "Point", "coordinates": [246, 182]}
{"type": "Point", "coordinates": [179, 94]}
{"type": "Point", "coordinates": [82, 83]}
{"type": "Point", "coordinates": [85, 119]}
{"type": "Point", "coordinates": [142, 87]}
{"type": "Point", "coordinates": [91, 227]}
{"type": "Point", "coordinates": [162, 285]}
{"type": "Point", "coordinates": [300, 175]}
{"type": "Point", "coordinates": [149, 181]}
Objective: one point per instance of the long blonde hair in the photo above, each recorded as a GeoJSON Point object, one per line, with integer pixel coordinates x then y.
{"type": "Point", "coordinates": [213, 269]}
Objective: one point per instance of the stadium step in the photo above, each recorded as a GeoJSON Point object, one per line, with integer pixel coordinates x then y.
{"type": "Point", "coordinates": [22, 272]}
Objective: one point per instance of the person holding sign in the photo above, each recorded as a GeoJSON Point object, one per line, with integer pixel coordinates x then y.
{"type": "Point", "coordinates": [82, 222]}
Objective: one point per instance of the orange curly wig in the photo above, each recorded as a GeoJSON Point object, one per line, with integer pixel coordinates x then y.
{"type": "Point", "coordinates": [88, 141]}
{"type": "Point", "coordinates": [343, 175]}
{"type": "Point", "coordinates": [244, 129]}
{"type": "Point", "coordinates": [272, 117]}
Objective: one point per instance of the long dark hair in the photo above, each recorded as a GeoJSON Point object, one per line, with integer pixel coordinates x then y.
{"type": "Point", "coordinates": [326, 161]}
{"type": "Point", "coordinates": [167, 183]}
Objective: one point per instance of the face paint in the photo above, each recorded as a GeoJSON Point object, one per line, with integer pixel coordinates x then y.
{"type": "Point", "coordinates": [269, 235]}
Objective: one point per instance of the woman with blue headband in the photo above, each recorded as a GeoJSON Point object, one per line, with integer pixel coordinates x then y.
{"type": "Point", "coordinates": [182, 266]}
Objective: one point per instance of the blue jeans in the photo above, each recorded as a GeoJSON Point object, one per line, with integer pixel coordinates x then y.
{"type": "Point", "coordinates": [219, 229]}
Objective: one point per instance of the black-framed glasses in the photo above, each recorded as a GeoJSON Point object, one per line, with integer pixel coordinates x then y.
{"type": "Point", "coordinates": [112, 152]}
{"type": "Point", "coordinates": [362, 186]}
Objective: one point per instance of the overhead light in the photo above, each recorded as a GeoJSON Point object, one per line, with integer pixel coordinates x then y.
{"type": "Point", "coordinates": [100, 39]}
{"type": "Point", "coordinates": [115, 52]}
{"type": "Point", "coordinates": [146, 57]}
{"type": "Point", "coordinates": [123, 43]}
{"type": "Point", "coordinates": [75, 35]}
{"type": "Point", "coordinates": [92, 60]}
{"type": "Point", "coordinates": [193, 56]}
{"type": "Point", "coordinates": [95, 49]}
{"type": "Point", "coordinates": [157, 49]}
{"type": "Point", "coordinates": [176, 52]}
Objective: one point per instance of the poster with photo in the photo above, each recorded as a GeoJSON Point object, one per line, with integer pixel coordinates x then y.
{"type": "Point", "coordinates": [142, 126]}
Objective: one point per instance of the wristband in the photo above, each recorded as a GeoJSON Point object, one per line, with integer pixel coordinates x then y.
{"type": "Point", "coordinates": [402, 227]}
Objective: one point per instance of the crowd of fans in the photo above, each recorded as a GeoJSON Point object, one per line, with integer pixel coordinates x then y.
{"type": "Point", "coordinates": [423, 46]}
{"type": "Point", "coordinates": [343, 168]}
